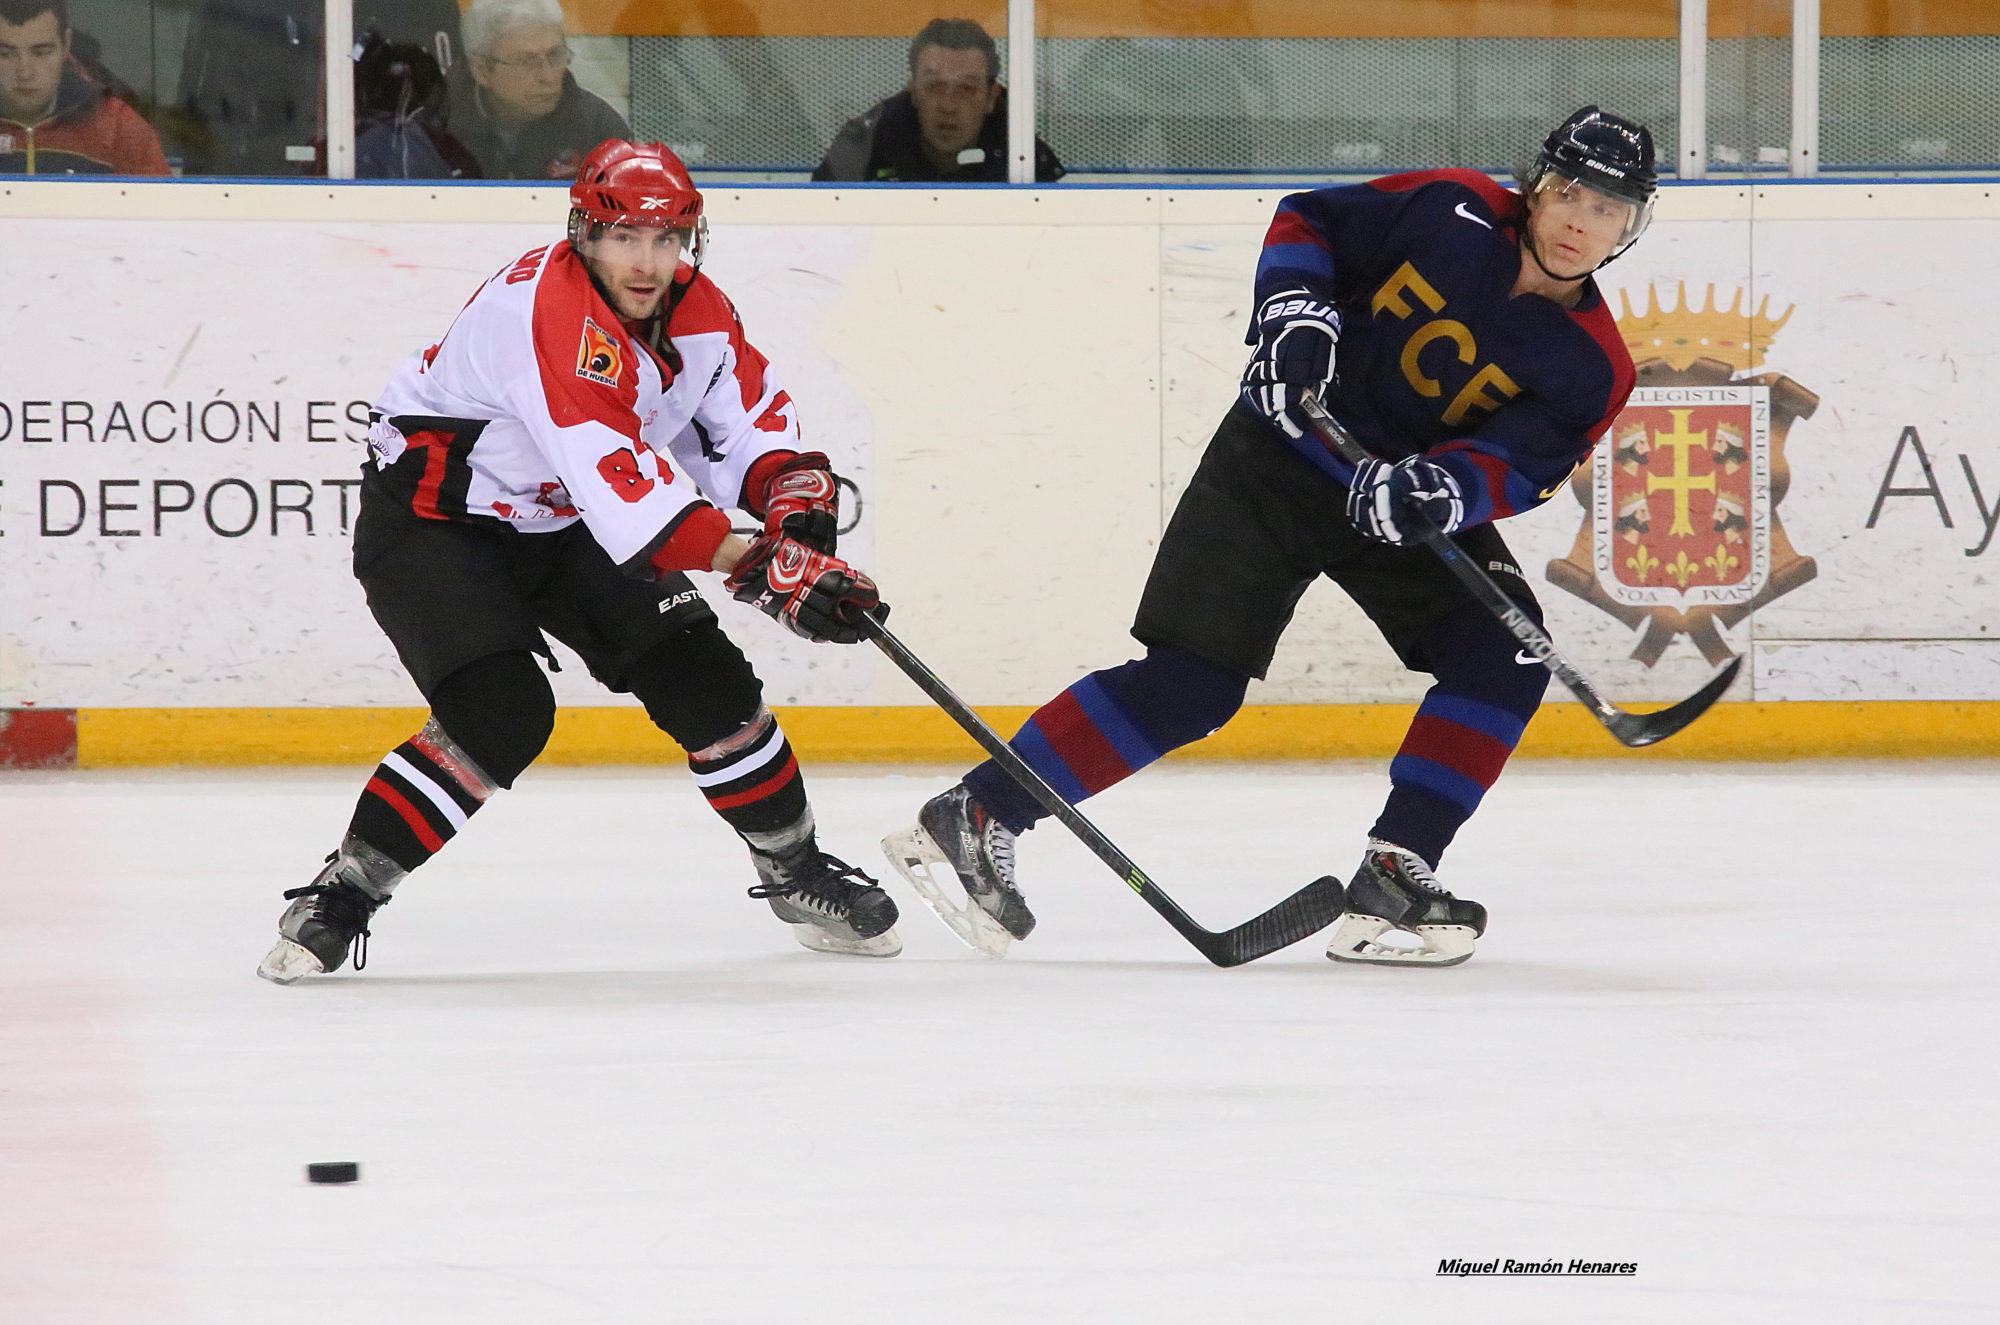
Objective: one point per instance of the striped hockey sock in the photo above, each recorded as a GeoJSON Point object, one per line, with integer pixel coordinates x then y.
{"type": "Point", "coordinates": [752, 780]}
{"type": "Point", "coordinates": [1464, 731]}
{"type": "Point", "coordinates": [1451, 756]}
{"type": "Point", "coordinates": [421, 794]}
{"type": "Point", "coordinates": [1108, 726]}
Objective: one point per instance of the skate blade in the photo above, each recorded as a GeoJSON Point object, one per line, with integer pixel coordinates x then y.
{"type": "Point", "coordinates": [1358, 939]}
{"type": "Point", "coordinates": [288, 963]}
{"type": "Point", "coordinates": [885, 944]}
{"type": "Point", "coordinates": [913, 853]}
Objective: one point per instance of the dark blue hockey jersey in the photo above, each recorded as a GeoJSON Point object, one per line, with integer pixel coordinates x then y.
{"type": "Point", "coordinates": [1435, 357]}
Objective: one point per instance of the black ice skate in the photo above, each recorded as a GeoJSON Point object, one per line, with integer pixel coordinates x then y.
{"type": "Point", "coordinates": [979, 900]}
{"type": "Point", "coordinates": [326, 918]}
{"type": "Point", "coordinates": [830, 905]}
{"type": "Point", "coordinates": [1394, 894]}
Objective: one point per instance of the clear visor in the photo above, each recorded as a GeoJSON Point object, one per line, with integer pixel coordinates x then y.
{"type": "Point", "coordinates": [693, 239]}
{"type": "Point", "coordinates": [1629, 218]}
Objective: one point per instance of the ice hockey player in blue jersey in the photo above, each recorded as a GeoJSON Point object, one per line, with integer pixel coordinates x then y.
{"type": "Point", "coordinates": [1454, 326]}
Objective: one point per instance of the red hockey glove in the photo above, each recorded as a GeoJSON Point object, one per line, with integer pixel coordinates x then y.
{"type": "Point", "coordinates": [810, 593]}
{"type": "Point", "coordinates": [802, 501]}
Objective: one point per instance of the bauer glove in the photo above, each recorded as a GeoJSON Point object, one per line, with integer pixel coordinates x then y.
{"type": "Point", "coordinates": [1296, 334]}
{"type": "Point", "coordinates": [1387, 501]}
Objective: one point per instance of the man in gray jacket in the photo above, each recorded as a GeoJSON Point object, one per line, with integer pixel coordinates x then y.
{"type": "Point", "coordinates": [523, 116]}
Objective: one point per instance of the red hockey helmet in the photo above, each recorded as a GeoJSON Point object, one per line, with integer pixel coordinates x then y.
{"type": "Point", "coordinates": [637, 184]}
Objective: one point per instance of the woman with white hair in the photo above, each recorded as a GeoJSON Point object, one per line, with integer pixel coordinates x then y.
{"type": "Point", "coordinates": [522, 115]}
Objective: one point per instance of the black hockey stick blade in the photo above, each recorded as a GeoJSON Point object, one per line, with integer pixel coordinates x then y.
{"type": "Point", "coordinates": [1303, 914]}
{"type": "Point", "coordinates": [1637, 729]}
{"type": "Point", "coordinates": [1300, 916]}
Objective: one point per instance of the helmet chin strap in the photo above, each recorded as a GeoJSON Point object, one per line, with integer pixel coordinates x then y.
{"type": "Point", "coordinates": [676, 288]}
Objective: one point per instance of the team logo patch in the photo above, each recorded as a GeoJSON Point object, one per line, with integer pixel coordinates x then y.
{"type": "Point", "coordinates": [598, 356]}
{"type": "Point", "coordinates": [1680, 531]}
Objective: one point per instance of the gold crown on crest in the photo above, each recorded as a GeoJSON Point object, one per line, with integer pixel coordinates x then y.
{"type": "Point", "coordinates": [1682, 334]}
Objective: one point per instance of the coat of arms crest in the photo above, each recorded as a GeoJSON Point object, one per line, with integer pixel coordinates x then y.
{"type": "Point", "coordinates": [1680, 533]}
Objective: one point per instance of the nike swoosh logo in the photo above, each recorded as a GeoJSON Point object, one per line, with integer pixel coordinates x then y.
{"type": "Point", "coordinates": [1525, 657]}
{"type": "Point", "coordinates": [1460, 209]}
{"type": "Point", "coordinates": [1557, 486]}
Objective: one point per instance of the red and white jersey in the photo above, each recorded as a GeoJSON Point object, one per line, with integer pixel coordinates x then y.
{"type": "Point", "coordinates": [539, 408]}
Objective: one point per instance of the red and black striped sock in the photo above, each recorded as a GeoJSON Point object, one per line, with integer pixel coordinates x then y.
{"type": "Point", "coordinates": [421, 794]}
{"type": "Point", "coordinates": [752, 780]}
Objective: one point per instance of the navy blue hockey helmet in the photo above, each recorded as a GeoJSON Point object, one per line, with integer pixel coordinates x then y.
{"type": "Point", "coordinates": [1605, 152]}
{"type": "Point", "coordinates": [1610, 154]}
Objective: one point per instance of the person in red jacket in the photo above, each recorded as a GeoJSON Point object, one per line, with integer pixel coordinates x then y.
{"type": "Point", "coordinates": [54, 120]}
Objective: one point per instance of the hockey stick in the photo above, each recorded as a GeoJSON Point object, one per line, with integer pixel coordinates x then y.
{"type": "Point", "coordinates": [1303, 914]}
{"type": "Point", "coordinates": [1634, 729]}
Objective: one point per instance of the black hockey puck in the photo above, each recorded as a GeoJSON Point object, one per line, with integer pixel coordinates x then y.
{"type": "Point", "coordinates": [333, 1173]}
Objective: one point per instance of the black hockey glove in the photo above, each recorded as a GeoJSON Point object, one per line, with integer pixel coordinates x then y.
{"type": "Point", "coordinates": [1296, 334]}
{"type": "Point", "coordinates": [802, 501]}
{"type": "Point", "coordinates": [1384, 496]}
{"type": "Point", "coordinates": [810, 593]}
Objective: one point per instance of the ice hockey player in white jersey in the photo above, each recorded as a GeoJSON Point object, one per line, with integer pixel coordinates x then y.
{"type": "Point", "coordinates": [555, 465]}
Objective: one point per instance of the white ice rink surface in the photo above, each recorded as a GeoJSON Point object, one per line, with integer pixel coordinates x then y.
{"type": "Point", "coordinates": [1735, 1025]}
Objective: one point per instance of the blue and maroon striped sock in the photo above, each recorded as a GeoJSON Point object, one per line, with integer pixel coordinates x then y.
{"type": "Point", "coordinates": [1487, 689]}
{"type": "Point", "coordinates": [1451, 756]}
{"type": "Point", "coordinates": [1108, 726]}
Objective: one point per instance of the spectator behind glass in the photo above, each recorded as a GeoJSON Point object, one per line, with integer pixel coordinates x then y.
{"type": "Point", "coordinates": [523, 116]}
{"type": "Point", "coordinates": [948, 125]}
{"type": "Point", "coordinates": [401, 116]}
{"type": "Point", "coordinates": [53, 119]}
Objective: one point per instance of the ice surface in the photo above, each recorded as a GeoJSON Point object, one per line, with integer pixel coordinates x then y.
{"type": "Point", "coordinates": [1736, 1025]}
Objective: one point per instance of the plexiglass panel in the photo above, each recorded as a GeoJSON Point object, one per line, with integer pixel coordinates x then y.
{"type": "Point", "coordinates": [185, 87]}
{"type": "Point", "coordinates": [1913, 86]}
{"type": "Point", "coordinates": [1749, 87]}
{"type": "Point", "coordinates": [891, 91]}
{"type": "Point", "coordinates": [914, 90]}
{"type": "Point", "coordinates": [1279, 87]}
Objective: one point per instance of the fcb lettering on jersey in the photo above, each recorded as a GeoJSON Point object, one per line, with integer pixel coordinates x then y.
{"type": "Point", "coordinates": [1487, 390]}
{"type": "Point", "coordinates": [1436, 355]}
{"type": "Point", "coordinates": [538, 408]}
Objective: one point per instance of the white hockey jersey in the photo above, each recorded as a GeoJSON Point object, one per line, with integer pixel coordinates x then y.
{"type": "Point", "coordinates": [538, 408]}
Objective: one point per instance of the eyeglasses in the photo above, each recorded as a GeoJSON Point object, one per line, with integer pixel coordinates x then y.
{"type": "Point", "coordinates": [555, 60]}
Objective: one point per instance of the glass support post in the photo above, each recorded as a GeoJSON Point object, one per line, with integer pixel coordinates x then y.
{"type": "Point", "coordinates": [1020, 91]}
{"type": "Point", "coordinates": [1693, 163]}
{"type": "Point", "coordinates": [339, 76]}
{"type": "Point", "coordinates": [1805, 87]}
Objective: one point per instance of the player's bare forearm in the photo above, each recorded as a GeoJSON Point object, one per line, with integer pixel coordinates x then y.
{"type": "Point", "coordinates": [728, 552]}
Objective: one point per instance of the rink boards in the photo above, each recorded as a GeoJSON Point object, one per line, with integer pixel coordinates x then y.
{"type": "Point", "coordinates": [1019, 382]}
